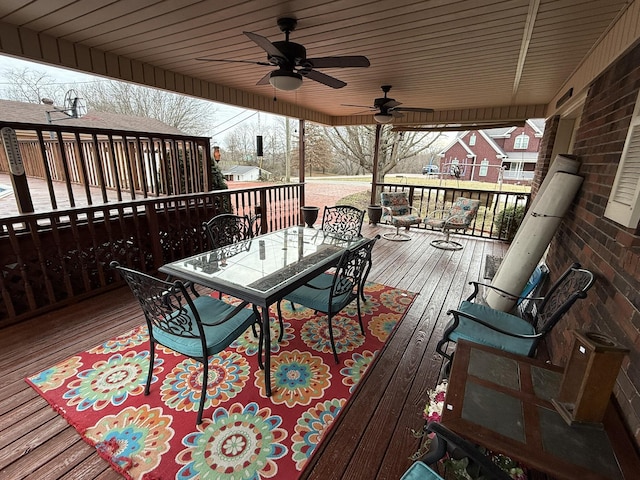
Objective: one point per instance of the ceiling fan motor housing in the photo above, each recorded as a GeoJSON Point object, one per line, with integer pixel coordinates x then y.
{"type": "Point", "coordinates": [294, 52]}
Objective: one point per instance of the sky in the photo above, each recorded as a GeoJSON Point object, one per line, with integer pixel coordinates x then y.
{"type": "Point", "coordinates": [226, 116]}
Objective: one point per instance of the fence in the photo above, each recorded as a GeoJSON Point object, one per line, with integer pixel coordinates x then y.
{"type": "Point", "coordinates": [49, 259]}
{"type": "Point", "coordinates": [112, 165]}
{"type": "Point", "coordinates": [498, 216]}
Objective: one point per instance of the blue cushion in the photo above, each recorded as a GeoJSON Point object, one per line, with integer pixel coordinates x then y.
{"type": "Point", "coordinates": [535, 278]}
{"type": "Point", "coordinates": [420, 471]}
{"type": "Point", "coordinates": [318, 298]}
{"type": "Point", "coordinates": [218, 337]}
{"type": "Point", "coordinates": [474, 332]}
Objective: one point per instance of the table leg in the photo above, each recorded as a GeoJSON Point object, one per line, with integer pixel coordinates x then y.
{"type": "Point", "coordinates": [266, 328]}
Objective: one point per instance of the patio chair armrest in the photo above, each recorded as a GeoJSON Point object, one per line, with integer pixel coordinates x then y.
{"type": "Point", "coordinates": [316, 287]}
{"type": "Point", "coordinates": [436, 212]}
{"type": "Point", "coordinates": [187, 284]}
{"type": "Point", "coordinates": [453, 442]}
{"type": "Point", "coordinates": [511, 296]}
{"type": "Point", "coordinates": [387, 211]}
{"type": "Point", "coordinates": [414, 209]}
{"type": "Point", "coordinates": [456, 321]}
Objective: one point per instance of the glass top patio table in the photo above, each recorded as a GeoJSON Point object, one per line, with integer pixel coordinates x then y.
{"type": "Point", "coordinates": [263, 269]}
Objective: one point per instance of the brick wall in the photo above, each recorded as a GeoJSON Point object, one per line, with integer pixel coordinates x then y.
{"type": "Point", "coordinates": [544, 153]}
{"type": "Point", "coordinates": [599, 244]}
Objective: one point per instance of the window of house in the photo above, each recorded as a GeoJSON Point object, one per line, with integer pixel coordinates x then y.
{"type": "Point", "coordinates": [522, 142]}
{"type": "Point", "coordinates": [623, 206]}
{"type": "Point", "coordinates": [484, 168]}
{"type": "Point", "coordinates": [472, 139]}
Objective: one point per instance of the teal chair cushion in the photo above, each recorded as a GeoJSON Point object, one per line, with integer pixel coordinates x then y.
{"type": "Point", "coordinates": [475, 332]}
{"type": "Point", "coordinates": [420, 471]}
{"type": "Point", "coordinates": [318, 298]}
{"type": "Point", "coordinates": [218, 337]}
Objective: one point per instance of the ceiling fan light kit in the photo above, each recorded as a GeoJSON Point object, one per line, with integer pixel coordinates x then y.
{"type": "Point", "coordinates": [383, 117]}
{"type": "Point", "coordinates": [287, 81]}
{"type": "Point", "coordinates": [386, 109]}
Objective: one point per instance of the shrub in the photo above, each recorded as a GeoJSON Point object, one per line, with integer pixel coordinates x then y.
{"type": "Point", "coordinates": [508, 221]}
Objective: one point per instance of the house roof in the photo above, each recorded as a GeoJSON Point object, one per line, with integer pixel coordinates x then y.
{"type": "Point", "coordinates": [461, 135]}
{"type": "Point", "coordinates": [537, 124]}
{"type": "Point", "coordinates": [240, 169]}
{"type": "Point", "coordinates": [23, 112]}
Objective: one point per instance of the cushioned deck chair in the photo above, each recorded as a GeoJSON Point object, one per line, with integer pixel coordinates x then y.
{"type": "Point", "coordinates": [227, 229]}
{"type": "Point", "coordinates": [330, 293]}
{"type": "Point", "coordinates": [480, 323]}
{"type": "Point", "coordinates": [397, 211]}
{"type": "Point", "coordinates": [457, 218]}
{"type": "Point", "coordinates": [342, 221]}
{"type": "Point", "coordinates": [194, 327]}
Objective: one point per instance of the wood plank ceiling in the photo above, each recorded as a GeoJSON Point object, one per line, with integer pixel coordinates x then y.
{"type": "Point", "coordinates": [441, 54]}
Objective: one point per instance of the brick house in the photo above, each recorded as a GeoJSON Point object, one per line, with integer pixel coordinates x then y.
{"type": "Point", "coordinates": [494, 155]}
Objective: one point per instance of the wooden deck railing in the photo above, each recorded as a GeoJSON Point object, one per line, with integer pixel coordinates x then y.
{"type": "Point", "coordinates": [49, 259]}
{"type": "Point", "coordinates": [495, 217]}
{"type": "Point", "coordinates": [100, 165]}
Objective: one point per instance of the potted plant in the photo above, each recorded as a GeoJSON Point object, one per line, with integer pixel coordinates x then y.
{"type": "Point", "coordinates": [309, 215]}
{"type": "Point", "coordinates": [375, 213]}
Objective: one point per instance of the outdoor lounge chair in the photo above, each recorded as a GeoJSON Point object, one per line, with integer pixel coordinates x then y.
{"type": "Point", "coordinates": [397, 211]}
{"type": "Point", "coordinates": [456, 218]}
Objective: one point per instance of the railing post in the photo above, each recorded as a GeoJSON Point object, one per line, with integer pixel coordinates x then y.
{"type": "Point", "coordinates": [264, 211]}
{"type": "Point", "coordinates": [154, 235]}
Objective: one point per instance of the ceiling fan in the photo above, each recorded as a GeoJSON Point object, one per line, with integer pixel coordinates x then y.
{"type": "Point", "coordinates": [292, 62]}
{"type": "Point", "coordinates": [388, 108]}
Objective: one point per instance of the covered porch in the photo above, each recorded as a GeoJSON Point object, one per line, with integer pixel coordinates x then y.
{"type": "Point", "coordinates": [372, 438]}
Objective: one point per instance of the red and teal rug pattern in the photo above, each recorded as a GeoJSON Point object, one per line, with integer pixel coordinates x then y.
{"type": "Point", "coordinates": [244, 434]}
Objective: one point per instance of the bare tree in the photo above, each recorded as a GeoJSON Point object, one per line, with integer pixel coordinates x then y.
{"type": "Point", "coordinates": [357, 144]}
{"type": "Point", "coordinates": [188, 114]}
{"type": "Point", "coordinates": [31, 86]}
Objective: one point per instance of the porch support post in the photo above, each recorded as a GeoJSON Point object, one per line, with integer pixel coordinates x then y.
{"type": "Point", "coordinates": [301, 158]}
{"type": "Point", "coordinates": [376, 152]}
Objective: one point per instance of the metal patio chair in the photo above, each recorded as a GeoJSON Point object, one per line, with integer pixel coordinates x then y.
{"type": "Point", "coordinates": [194, 327]}
{"type": "Point", "coordinates": [482, 324]}
{"type": "Point", "coordinates": [330, 293]}
{"type": "Point", "coordinates": [342, 221]}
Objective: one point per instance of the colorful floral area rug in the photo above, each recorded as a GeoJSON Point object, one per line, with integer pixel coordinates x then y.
{"type": "Point", "coordinates": [244, 434]}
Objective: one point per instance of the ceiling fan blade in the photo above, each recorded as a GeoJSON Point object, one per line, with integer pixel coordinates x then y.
{"type": "Point", "coordinates": [411, 109]}
{"type": "Point", "coordinates": [264, 80]}
{"type": "Point", "coordinates": [395, 114]}
{"type": "Point", "coordinates": [233, 61]}
{"type": "Point", "coordinates": [323, 78]}
{"type": "Point", "coordinates": [365, 112]}
{"type": "Point", "coordinates": [339, 62]}
{"type": "Point", "coordinates": [265, 44]}
{"type": "Point", "coordinates": [359, 106]}
{"type": "Point", "coordinates": [391, 104]}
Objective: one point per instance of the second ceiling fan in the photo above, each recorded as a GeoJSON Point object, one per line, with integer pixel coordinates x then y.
{"type": "Point", "coordinates": [292, 62]}
{"type": "Point", "coordinates": [388, 108]}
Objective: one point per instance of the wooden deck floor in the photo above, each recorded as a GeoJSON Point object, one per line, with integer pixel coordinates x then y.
{"type": "Point", "coordinates": [371, 439]}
